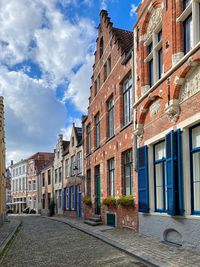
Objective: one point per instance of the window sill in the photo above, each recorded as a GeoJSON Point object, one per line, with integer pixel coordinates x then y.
{"type": "Point", "coordinates": [126, 126]}
{"type": "Point", "coordinates": [110, 138]}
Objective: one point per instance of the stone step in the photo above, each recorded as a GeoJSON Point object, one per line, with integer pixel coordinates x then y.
{"type": "Point", "coordinates": [92, 223]}
{"type": "Point", "coordinates": [96, 216]}
{"type": "Point", "coordinates": [95, 219]}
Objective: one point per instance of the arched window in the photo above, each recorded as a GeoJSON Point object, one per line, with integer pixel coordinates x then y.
{"type": "Point", "coordinates": [101, 47]}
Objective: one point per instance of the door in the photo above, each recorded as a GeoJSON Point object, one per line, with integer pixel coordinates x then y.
{"type": "Point", "coordinates": [79, 207]}
{"type": "Point", "coordinates": [97, 190]}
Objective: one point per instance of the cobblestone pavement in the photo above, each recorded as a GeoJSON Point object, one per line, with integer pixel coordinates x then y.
{"type": "Point", "coordinates": [6, 230]}
{"type": "Point", "coordinates": [147, 248]}
{"type": "Point", "coordinates": [44, 242]}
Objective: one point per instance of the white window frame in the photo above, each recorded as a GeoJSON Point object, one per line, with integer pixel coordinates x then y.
{"type": "Point", "coordinates": [156, 47]}
{"type": "Point", "coordinates": [79, 161]}
{"type": "Point", "coordinates": [194, 9]}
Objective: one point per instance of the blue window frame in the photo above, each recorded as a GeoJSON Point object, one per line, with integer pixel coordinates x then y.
{"type": "Point", "coordinates": [195, 168]}
{"type": "Point", "coordinates": [188, 40]}
{"type": "Point", "coordinates": [160, 177]}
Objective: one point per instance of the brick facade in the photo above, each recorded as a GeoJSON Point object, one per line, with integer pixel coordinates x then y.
{"type": "Point", "coordinates": [172, 102]}
{"type": "Point", "coordinates": [117, 46]}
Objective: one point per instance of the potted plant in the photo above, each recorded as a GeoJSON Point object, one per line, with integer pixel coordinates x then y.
{"type": "Point", "coordinates": [51, 208]}
{"type": "Point", "coordinates": [126, 201]}
{"type": "Point", "coordinates": [87, 201]}
{"type": "Point", "coordinates": [110, 201]}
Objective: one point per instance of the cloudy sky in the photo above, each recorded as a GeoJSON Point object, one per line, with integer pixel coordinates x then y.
{"type": "Point", "coordinates": [46, 58]}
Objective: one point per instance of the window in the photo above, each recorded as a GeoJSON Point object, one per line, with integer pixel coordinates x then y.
{"type": "Point", "coordinates": [155, 57]}
{"type": "Point", "coordinates": [72, 197]}
{"type": "Point", "coordinates": [29, 185]}
{"type": "Point", "coordinates": [24, 169]}
{"type": "Point", "coordinates": [49, 177]}
{"type": "Point", "coordinates": [16, 171]}
{"type": "Point", "coordinates": [160, 176]}
{"type": "Point", "coordinates": [127, 100]}
{"type": "Point", "coordinates": [67, 167]}
{"type": "Point", "coordinates": [101, 47]}
{"type": "Point", "coordinates": [20, 170]}
{"type": "Point", "coordinates": [190, 18]}
{"type": "Point", "coordinates": [72, 141]}
{"type": "Point", "coordinates": [24, 187]}
{"type": "Point", "coordinates": [73, 165]}
{"type": "Point", "coordinates": [79, 161]}
{"type": "Point", "coordinates": [34, 185]}
{"type": "Point", "coordinates": [195, 161]}
{"type": "Point", "coordinates": [88, 183]}
{"type": "Point", "coordinates": [13, 172]}
{"type": "Point", "coordinates": [19, 184]}
{"type": "Point", "coordinates": [110, 117]}
{"type": "Point", "coordinates": [89, 139]}
{"type": "Point", "coordinates": [188, 42]}
{"type": "Point", "coordinates": [43, 179]}
{"type": "Point", "coordinates": [107, 68]}
{"type": "Point", "coordinates": [56, 176]}
{"type": "Point", "coordinates": [97, 130]}
{"type": "Point", "coordinates": [111, 177]}
{"type": "Point", "coordinates": [59, 199]}
{"type": "Point", "coordinates": [60, 175]}
{"type": "Point", "coordinates": [127, 171]}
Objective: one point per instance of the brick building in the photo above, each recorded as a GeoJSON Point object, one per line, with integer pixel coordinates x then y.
{"type": "Point", "coordinates": [46, 186]}
{"type": "Point", "coordinates": [34, 165]}
{"type": "Point", "coordinates": [73, 179]}
{"type": "Point", "coordinates": [167, 108]}
{"type": "Point", "coordinates": [2, 164]}
{"type": "Point", "coordinates": [108, 132]}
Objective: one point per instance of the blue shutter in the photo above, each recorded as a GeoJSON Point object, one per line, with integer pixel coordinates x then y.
{"type": "Point", "coordinates": [64, 198]}
{"type": "Point", "coordinates": [69, 198]}
{"type": "Point", "coordinates": [171, 207]}
{"type": "Point", "coordinates": [75, 198]}
{"type": "Point", "coordinates": [143, 179]}
{"type": "Point", "coordinates": [180, 173]}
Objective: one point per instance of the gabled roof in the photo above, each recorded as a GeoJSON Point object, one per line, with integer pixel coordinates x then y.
{"type": "Point", "coordinates": [79, 135]}
{"type": "Point", "coordinates": [124, 38]}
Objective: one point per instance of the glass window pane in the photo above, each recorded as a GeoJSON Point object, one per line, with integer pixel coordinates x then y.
{"type": "Point", "coordinates": [159, 198]}
{"type": "Point", "coordinates": [159, 175]}
{"type": "Point", "coordinates": [196, 188]}
{"type": "Point", "coordinates": [196, 167]}
{"type": "Point", "coordinates": [196, 137]}
{"type": "Point", "coordinates": [188, 41]}
{"type": "Point", "coordinates": [160, 151]}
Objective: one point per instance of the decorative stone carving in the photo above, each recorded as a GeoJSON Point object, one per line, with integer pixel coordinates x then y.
{"type": "Point", "coordinates": [191, 62]}
{"type": "Point", "coordinates": [191, 85]}
{"type": "Point", "coordinates": [143, 110]}
{"type": "Point", "coordinates": [154, 21]}
{"type": "Point", "coordinates": [173, 110]}
{"type": "Point", "coordinates": [179, 81]}
{"type": "Point", "coordinates": [145, 88]}
{"type": "Point", "coordinates": [154, 108]}
{"type": "Point", "coordinates": [139, 131]}
{"type": "Point", "coordinates": [151, 97]}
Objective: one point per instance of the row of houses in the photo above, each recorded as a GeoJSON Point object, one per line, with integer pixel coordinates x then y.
{"type": "Point", "coordinates": [136, 161]}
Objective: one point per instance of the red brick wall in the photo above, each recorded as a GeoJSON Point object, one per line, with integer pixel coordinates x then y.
{"type": "Point", "coordinates": [70, 213]}
{"type": "Point", "coordinates": [123, 139]}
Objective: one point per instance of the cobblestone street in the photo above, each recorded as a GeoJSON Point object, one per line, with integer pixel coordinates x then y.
{"type": "Point", "coordinates": [43, 242]}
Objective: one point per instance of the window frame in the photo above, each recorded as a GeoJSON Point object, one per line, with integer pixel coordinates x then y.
{"type": "Point", "coordinates": [192, 152]}
{"type": "Point", "coordinates": [97, 130]}
{"type": "Point", "coordinates": [73, 165]}
{"type": "Point", "coordinates": [88, 131]}
{"type": "Point", "coordinates": [129, 164]}
{"type": "Point", "coordinates": [79, 162]}
{"type": "Point", "coordinates": [111, 117]}
{"type": "Point", "coordinates": [163, 162]}
{"type": "Point", "coordinates": [127, 90]}
{"type": "Point", "coordinates": [111, 176]}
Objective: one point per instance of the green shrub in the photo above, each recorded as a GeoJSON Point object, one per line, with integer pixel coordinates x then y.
{"type": "Point", "coordinates": [51, 208]}
{"type": "Point", "coordinates": [87, 201]}
{"type": "Point", "coordinates": [126, 201]}
{"type": "Point", "coordinates": [110, 202]}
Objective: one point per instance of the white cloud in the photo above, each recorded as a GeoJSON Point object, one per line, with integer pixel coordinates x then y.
{"type": "Point", "coordinates": [133, 10]}
{"type": "Point", "coordinates": [37, 31]}
{"type": "Point", "coordinates": [103, 4]}
{"type": "Point", "coordinates": [78, 89]}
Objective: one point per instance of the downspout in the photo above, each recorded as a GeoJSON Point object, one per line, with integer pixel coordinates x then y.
{"type": "Point", "coordinates": [134, 109]}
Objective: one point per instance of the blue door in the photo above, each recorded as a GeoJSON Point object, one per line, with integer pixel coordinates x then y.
{"type": "Point", "coordinates": [79, 199]}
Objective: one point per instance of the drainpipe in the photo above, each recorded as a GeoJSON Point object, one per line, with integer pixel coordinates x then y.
{"type": "Point", "coordinates": [134, 109]}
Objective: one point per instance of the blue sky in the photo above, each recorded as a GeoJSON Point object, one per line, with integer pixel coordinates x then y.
{"type": "Point", "coordinates": [46, 58]}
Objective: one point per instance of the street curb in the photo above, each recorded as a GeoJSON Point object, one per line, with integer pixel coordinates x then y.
{"type": "Point", "coordinates": [9, 238]}
{"type": "Point", "coordinates": [114, 244]}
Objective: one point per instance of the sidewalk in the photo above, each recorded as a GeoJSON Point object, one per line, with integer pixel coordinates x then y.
{"type": "Point", "coordinates": [7, 231]}
{"type": "Point", "coordinates": [145, 248]}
